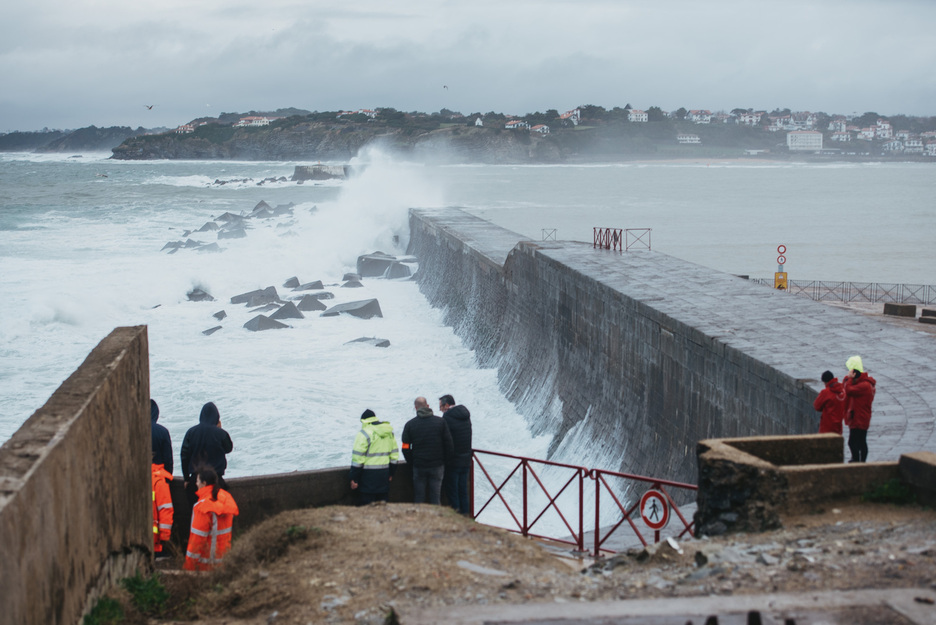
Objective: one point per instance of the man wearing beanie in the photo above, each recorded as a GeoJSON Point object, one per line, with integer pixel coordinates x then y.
{"type": "Point", "coordinates": [831, 403]}
{"type": "Point", "coordinates": [859, 395]}
{"type": "Point", "coordinates": [373, 459]}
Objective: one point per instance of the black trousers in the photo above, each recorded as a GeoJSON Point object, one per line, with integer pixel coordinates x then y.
{"type": "Point", "coordinates": [858, 444]}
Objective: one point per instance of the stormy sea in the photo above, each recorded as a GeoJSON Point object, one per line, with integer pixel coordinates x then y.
{"type": "Point", "coordinates": [83, 250]}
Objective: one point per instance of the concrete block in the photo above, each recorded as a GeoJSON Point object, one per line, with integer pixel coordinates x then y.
{"type": "Point", "coordinates": [919, 470]}
{"type": "Point", "coordinates": [900, 310]}
{"type": "Point", "coordinates": [928, 320]}
{"type": "Point", "coordinates": [927, 312]}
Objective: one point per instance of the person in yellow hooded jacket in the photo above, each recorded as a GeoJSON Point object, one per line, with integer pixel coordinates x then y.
{"type": "Point", "coordinates": [162, 508]}
{"type": "Point", "coordinates": [212, 522]}
{"type": "Point", "coordinates": [373, 460]}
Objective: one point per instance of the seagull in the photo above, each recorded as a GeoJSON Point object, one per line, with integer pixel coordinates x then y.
{"type": "Point", "coordinates": [445, 87]}
{"type": "Point", "coordinates": [149, 107]}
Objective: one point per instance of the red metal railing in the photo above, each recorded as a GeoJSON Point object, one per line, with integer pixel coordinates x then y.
{"type": "Point", "coordinates": [525, 525]}
{"type": "Point", "coordinates": [532, 512]}
{"type": "Point", "coordinates": [600, 477]}
{"type": "Point", "coordinates": [608, 238]}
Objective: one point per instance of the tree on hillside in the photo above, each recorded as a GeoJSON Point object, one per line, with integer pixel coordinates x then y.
{"type": "Point", "coordinates": [868, 119]}
{"type": "Point", "coordinates": [681, 113]}
{"type": "Point", "coordinates": [592, 112]}
{"type": "Point", "coordinates": [655, 114]}
{"type": "Point", "coordinates": [739, 112]}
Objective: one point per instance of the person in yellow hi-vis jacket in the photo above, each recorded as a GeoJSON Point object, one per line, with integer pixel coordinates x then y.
{"type": "Point", "coordinates": [373, 460]}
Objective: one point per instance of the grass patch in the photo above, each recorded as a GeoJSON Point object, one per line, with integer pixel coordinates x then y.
{"type": "Point", "coordinates": [106, 611]}
{"type": "Point", "coordinates": [894, 491]}
{"type": "Point", "coordinates": [148, 593]}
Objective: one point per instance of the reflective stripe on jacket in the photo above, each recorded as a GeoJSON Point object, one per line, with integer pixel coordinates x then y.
{"type": "Point", "coordinates": [162, 507]}
{"type": "Point", "coordinates": [210, 534]}
{"type": "Point", "coordinates": [374, 456]}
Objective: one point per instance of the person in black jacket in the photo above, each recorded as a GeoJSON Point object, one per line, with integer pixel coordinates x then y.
{"type": "Point", "coordinates": [458, 466]}
{"type": "Point", "coordinates": [427, 443]}
{"type": "Point", "coordinates": [162, 442]}
{"type": "Point", "coordinates": [205, 444]}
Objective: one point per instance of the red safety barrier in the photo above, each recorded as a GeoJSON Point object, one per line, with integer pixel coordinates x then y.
{"type": "Point", "coordinates": [608, 238]}
{"type": "Point", "coordinates": [525, 525]}
{"type": "Point", "coordinates": [522, 518]}
{"type": "Point", "coordinates": [601, 481]}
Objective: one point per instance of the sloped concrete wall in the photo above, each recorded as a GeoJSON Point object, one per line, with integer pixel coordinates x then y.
{"type": "Point", "coordinates": [588, 355]}
{"type": "Point", "coordinates": [75, 502]}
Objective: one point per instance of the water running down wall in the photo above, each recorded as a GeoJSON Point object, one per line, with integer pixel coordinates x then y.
{"type": "Point", "coordinates": [628, 359]}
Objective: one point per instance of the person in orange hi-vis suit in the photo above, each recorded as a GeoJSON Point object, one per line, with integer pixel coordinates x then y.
{"type": "Point", "coordinates": [212, 520]}
{"type": "Point", "coordinates": [162, 508]}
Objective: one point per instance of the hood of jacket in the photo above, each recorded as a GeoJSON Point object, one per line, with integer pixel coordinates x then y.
{"type": "Point", "coordinates": [378, 429]}
{"type": "Point", "coordinates": [836, 387]}
{"type": "Point", "coordinates": [424, 412]}
{"type": "Point", "coordinates": [154, 411]}
{"type": "Point", "coordinates": [224, 505]}
{"type": "Point", "coordinates": [458, 412]}
{"type": "Point", "coordinates": [209, 414]}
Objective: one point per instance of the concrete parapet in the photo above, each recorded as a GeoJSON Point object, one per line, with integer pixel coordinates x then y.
{"type": "Point", "coordinates": [746, 485]}
{"type": "Point", "coordinates": [918, 469]}
{"type": "Point", "coordinates": [75, 488]}
{"type": "Point", "coordinates": [261, 497]}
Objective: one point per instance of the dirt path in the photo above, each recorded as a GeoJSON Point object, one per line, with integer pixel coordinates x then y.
{"type": "Point", "coordinates": [359, 565]}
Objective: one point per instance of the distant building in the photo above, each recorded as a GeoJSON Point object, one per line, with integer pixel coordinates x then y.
{"type": "Point", "coordinates": [749, 118]}
{"type": "Point", "coordinates": [516, 123]}
{"type": "Point", "coordinates": [913, 145]}
{"type": "Point", "coordinates": [930, 148]}
{"type": "Point", "coordinates": [254, 121]}
{"type": "Point", "coordinates": [883, 130]}
{"type": "Point", "coordinates": [635, 115]}
{"type": "Point", "coordinates": [839, 124]}
{"type": "Point", "coordinates": [185, 129]}
{"type": "Point", "coordinates": [574, 116]}
{"type": "Point", "coordinates": [543, 129]}
{"type": "Point", "coordinates": [478, 122]}
{"type": "Point", "coordinates": [687, 138]}
{"type": "Point", "coordinates": [866, 134]}
{"type": "Point", "coordinates": [841, 136]}
{"type": "Point", "coordinates": [893, 146]}
{"type": "Point", "coordinates": [699, 117]}
{"type": "Point", "coordinates": [804, 140]}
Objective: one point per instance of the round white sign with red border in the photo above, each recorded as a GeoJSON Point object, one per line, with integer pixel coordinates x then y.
{"type": "Point", "coordinates": [654, 510]}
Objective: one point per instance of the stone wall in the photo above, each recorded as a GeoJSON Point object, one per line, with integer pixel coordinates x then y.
{"type": "Point", "coordinates": [589, 353]}
{"type": "Point", "coordinates": [75, 502]}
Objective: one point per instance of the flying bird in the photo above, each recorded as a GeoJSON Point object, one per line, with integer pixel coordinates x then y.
{"type": "Point", "coordinates": [149, 107]}
{"type": "Point", "coordinates": [445, 87]}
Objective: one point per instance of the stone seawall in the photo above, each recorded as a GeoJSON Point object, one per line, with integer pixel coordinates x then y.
{"type": "Point", "coordinates": [628, 359]}
{"type": "Point", "coordinates": [75, 488]}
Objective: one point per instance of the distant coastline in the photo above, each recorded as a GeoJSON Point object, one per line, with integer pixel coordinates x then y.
{"type": "Point", "coordinates": [497, 139]}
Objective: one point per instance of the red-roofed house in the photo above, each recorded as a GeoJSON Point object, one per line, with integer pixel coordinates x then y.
{"type": "Point", "coordinates": [636, 115]}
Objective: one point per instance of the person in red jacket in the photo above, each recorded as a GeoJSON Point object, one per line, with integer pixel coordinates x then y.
{"type": "Point", "coordinates": [831, 403]}
{"type": "Point", "coordinates": [859, 395]}
{"type": "Point", "coordinates": [212, 521]}
{"type": "Point", "coordinates": [162, 508]}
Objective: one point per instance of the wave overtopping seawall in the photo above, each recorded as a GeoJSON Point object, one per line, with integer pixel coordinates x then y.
{"type": "Point", "coordinates": [597, 349]}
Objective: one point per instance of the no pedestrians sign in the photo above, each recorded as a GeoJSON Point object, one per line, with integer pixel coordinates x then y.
{"type": "Point", "coordinates": [654, 510]}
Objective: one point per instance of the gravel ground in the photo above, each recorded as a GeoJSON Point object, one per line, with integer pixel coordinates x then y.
{"type": "Point", "coordinates": [359, 565]}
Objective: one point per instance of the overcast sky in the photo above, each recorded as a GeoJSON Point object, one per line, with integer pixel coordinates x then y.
{"type": "Point", "coordinates": [69, 64]}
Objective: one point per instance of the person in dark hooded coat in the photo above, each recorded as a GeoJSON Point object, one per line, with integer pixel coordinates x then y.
{"type": "Point", "coordinates": [205, 444]}
{"type": "Point", "coordinates": [162, 443]}
{"type": "Point", "coordinates": [458, 466]}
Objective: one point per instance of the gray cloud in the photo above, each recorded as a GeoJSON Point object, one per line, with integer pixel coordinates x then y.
{"type": "Point", "coordinates": [64, 65]}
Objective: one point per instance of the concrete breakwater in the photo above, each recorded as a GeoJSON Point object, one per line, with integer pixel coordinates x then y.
{"type": "Point", "coordinates": [628, 359]}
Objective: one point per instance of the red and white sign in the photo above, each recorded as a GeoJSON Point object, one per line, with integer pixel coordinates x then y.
{"type": "Point", "coordinates": [654, 509]}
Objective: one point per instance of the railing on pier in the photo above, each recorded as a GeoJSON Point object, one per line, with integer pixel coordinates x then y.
{"type": "Point", "coordinates": [868, 292]}
{"type": "Point", "coordinates": [621, 238]}
{"type": "Point", "coordinates": [526, 511]}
